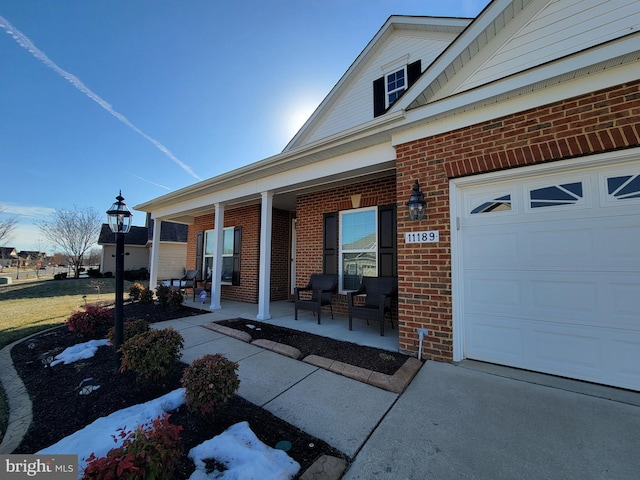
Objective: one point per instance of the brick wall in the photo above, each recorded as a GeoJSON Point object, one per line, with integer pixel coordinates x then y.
{"type": "Point", "coordinates": [249, 219]}
{"type": "Point", "coordinates": [599, 122]}
{"type": "Point", "coordinates": [310, 209]}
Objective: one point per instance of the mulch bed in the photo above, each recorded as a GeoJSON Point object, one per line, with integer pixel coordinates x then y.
{"type": "Point", "coordinates": [58, 410]}
{"type": "Point", "coordinates": [375, 359]}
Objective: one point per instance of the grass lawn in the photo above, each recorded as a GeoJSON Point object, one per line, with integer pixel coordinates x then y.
{"type": "Point", "coordinates": [29, 306]}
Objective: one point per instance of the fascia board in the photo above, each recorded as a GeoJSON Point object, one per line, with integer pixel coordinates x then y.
{"type": "Point", "coordinates": [272, 165]}
{"type": "Point", "coordinates": [285, 180]}
{"type": "Point", "coordinates": [439, 117]}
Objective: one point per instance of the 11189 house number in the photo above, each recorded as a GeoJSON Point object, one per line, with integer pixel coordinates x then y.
{"type": "Point", "coordinates": [422, 237]}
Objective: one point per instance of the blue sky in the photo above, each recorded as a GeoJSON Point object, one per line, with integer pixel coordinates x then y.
{"type": "Point", "coordinates": [150, 96]}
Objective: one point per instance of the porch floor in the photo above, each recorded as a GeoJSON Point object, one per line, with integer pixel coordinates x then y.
{"type": "Point", "coordinates": [282, 315]}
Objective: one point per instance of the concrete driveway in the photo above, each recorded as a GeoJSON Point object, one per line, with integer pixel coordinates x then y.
{"type": "Point", "coordinates": [460, 423]}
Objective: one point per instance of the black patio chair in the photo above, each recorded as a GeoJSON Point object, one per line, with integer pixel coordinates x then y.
{"type": "Point", "coordinates": [187, 281]}
{"type": "Point", "coordinates": [378, 294]}
{"type": "Point", "coordinates": [321, 288]}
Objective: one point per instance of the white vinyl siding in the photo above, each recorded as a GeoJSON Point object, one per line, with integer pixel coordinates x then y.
{"type": "Point", "coordinates": [354, 106]}
{"type": "Point", "coordinates": [172, 260]}
{"type": "Point", "coordinates": [562, 28]}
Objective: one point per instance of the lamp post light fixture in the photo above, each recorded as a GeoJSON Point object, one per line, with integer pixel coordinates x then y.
{"type": "Point", "coordinates": [416, 203]}
{"type": "Point", "coordinates": [119, 218]}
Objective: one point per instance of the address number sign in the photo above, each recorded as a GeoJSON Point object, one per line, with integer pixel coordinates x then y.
{"type": "Point", "coordinates": [422, 237]}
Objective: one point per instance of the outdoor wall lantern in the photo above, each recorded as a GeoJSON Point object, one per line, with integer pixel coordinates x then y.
{"type": "Point", "coordinates": [416, 203]}
{"type": "Point", "coordinates": [119, 218]}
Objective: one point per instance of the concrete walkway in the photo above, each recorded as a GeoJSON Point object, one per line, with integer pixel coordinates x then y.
{"type": "Point", "coordinates": [471, 421]}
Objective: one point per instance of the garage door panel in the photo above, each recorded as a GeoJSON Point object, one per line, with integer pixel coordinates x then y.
{"type": "Point", "coordinates": [557, 297]}
{"type": "Point", "coordinates": [553, 284]}
{"type": "Point", "coordinates": [500, 340]}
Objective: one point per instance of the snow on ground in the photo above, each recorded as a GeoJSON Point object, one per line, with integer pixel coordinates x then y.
{"type": "Point", "coordinates": [237, 448]}
{"type": "Point", "coordinates": [80, 351]}
{"type": "Point", "coordinates": [244, 455]}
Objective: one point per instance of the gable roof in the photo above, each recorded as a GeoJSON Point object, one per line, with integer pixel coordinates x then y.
{"type": "Point", "coordinates": [527, 45]}
{"type": "Point", "coordinates": [8, 252]}
{"type": "Point", "coordinates": [464, 78]}
{"type": "Point", "coordinates": [427, 35]}
{"type": "Point", "coordinates": [136, 236]}
{"type": "Point", "coordinates": [169, 232]}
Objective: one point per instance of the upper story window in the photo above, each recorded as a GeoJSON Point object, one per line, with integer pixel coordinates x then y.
{"type": "Point", "coordinates": [396, 84]}
{"type": "Point", "coordinates": [395, 80]}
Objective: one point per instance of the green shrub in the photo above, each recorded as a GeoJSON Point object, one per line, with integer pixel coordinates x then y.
{"type": "Point", "coordinates": [135, 275]}
{"type": "Point", "coordinates": [169, 297]}
{"type": "Point", "coordinates": [162, 294]}
{"type": "Point", "coordinates": [129, 329]}
{"type": "Point", "coordinates": [146, 296]}
{"type": "Point", "coordinates": [90, 322]}
{"type": "Point", "coordinates": [210, 382]}
{"type": "Point", "coordinates": [175, 299]}
{"type": "Point", "coordinates": [152, 355]}
{"type": "Point", "coordinates": [151, 452]}
{"type": "Point", "coordinates": [94, 273]}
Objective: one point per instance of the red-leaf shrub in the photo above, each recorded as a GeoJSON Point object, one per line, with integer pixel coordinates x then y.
{"type": "Point", "coordinates": [91, 321]}
{"type": "Point", "coordinates": [210, 382]}
{"type": "Point", "coordinates": [151, 452]}
{"type": "Point", "coordinates": [152, 355]}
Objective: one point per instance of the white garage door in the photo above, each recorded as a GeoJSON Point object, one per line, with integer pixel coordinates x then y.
{"type": "Point", "coordinates": [551, 273]}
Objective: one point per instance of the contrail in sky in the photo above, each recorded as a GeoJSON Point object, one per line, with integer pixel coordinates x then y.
{"type": "Point", "coordinates": [152, 183]}
{"type": "Point", "coordinates": [28, 45]}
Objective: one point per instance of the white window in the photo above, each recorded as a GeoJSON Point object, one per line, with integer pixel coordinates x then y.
{"type": "Point", "coordinates": [395, 84]}
{"type": "Point", "coordinates": [358, 246]}
{"type": "Point", "coordinates": [227, 255]}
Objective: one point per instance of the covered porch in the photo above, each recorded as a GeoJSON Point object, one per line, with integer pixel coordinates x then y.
{"type": "Point", "coordinates": [282, 315]}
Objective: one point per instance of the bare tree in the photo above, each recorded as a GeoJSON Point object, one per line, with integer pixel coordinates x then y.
{"type": "Point", "coordinates": [74, 231]}
{"type": "Point", "coordinates": [7, 227]}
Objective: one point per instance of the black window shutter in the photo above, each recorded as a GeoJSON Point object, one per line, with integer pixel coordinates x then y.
{"type": "Point", "coordinates": [199, 245]}
{"type": "Point", "coordinates": [237, 249]}
{"type": "Point", "coordinates": [414, 70]}
{"type": "Point", "coordinates": [330, 243]}
{"type": "Point", "coordinates": [387, 263]}
{"type": "Point", "coordinates": [378, 97]}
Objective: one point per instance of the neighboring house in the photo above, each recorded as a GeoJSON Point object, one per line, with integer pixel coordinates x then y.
{"type": "Point", "coordinates": [138, 247]}
{"type": "Point", "coordinates": [31, 258]}
{"type": "Point", "coordinates": [136, 251]}
{"type": "Point", "coordinates": [523, 128]}
{"type": "Point", "coordinates": [8, 257]}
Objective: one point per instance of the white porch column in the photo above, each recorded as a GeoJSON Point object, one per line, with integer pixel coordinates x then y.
{"type": "Point", "coordinates": [264, 286]}
{"type": "Point", "coordinates": [155, 255]}
{"type": "Point", "coordinates": [216, 270]}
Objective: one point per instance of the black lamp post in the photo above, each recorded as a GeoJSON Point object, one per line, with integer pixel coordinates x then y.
{"type": "Point", "coordinates": [119, 218]}
{"type": "Point", "coordinates": [416, 203]}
